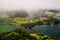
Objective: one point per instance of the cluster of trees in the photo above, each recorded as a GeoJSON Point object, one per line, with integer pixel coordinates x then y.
{"type": "Point", "coordinates": [16, 35]}
{"type": "Point", "coordinates": [4, 20]}
{"type": "Point", "coordinates": [14, 14]}
{"type": "Point", "coordinates": [19, 35]}
{"type": "Point", "coordinates": [21, 14]}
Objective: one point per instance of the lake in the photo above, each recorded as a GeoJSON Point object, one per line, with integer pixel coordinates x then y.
{"type": "Point", "coordinates": [53, 30]}
{"type": "Point", "coordinates": [5, 28]}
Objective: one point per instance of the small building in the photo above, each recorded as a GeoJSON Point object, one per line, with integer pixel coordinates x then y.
{"type": "Point", "coordinates": [44, 18]}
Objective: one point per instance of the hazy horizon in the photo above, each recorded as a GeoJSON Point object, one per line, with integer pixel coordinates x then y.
{"type": "Point", "coordinates": [29, 4]}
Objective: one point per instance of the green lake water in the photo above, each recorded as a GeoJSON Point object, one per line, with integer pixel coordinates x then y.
{"type": "Point", "coordinates": [5, 28]}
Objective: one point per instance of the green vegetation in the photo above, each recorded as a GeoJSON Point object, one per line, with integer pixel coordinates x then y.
{"type": "Point", "coordinates": [19, 35]}
{"type": "Point", "coordinates": [18, 21]}
{"type": "Point", "coordinates": [16, 35]}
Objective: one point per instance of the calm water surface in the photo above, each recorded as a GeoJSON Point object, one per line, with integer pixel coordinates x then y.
{"type": "Point", "coordinates": [47, 29]}
{"type": "Point", "coordinates": [5, 28]}
{"type": "Point", "coordinates": [40, 29]}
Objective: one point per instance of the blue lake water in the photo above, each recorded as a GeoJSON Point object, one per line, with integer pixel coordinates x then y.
{"type": "Point", "coordinates": [52, 30]}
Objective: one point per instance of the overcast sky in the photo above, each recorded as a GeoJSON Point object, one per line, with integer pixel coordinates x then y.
{"type": "Point", "coordinates": [29, 4]}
